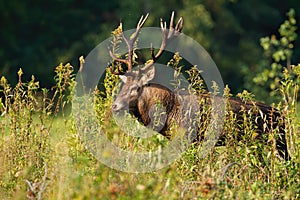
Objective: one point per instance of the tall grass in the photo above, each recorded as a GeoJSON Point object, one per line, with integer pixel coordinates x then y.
{"type": "Point", "coordinates": [42, 156]}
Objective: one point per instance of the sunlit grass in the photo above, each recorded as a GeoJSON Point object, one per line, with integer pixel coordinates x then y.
{"type": "Point", "coordinates": [42, 156]}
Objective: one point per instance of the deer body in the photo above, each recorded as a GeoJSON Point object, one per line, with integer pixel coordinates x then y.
{"type": "Point", "coordinates": [264, 117]}
{"type": "Point", "coordinates": [140, 96]}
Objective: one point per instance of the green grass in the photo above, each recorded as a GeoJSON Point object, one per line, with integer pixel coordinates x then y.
{"type": "Point", "coordinates": [40, 148]}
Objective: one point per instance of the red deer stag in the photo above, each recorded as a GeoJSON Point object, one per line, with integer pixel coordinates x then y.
{"type": "Point", "coordinates": [139, 95]}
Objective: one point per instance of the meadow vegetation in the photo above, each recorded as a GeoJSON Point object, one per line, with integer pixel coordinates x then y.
{"type": "Point", "coordinates": [42, 156]}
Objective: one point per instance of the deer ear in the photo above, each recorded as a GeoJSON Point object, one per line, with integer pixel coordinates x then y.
{"type": "Point", "coordinates": [123, 78]}
{"type": "Point", "coordinates": [147, 75]}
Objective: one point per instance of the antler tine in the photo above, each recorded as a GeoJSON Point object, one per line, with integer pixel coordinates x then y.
{"type": "Point", "coordinates": [172, 21]}
{"type": "Point", "coordinates": [179, 25]}
{"type": "Point", "coordinates": [163, 41]}
{"type": "Point", "coordinates": [138, 27]}
{"type": "Point", "coordinates": [171, 28]}
{"type": "Point", "coordinates": [113, 56]}
{"type": "Point", "coordinates": [143, 20]}
{"type": "Point", "coordinates": [129, 42]}
{"type": "Point", "coordinates": [167, 36]}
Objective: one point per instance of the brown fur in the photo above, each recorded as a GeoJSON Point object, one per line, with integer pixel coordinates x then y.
{"type": "Point", "coordinates": [140, 97]}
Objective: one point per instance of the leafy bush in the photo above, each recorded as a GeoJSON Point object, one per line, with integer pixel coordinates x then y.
{"type": "Point", "coordinates": [279, 52]}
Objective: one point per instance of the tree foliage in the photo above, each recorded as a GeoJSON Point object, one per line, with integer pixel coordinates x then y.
{"type": "Point", "coordinates": [279, 51]}
{"type": "Point", "coordinates": [38, 35]}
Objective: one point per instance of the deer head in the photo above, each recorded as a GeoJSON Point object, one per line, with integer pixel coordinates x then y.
{"type": "Point", "coordinates": [132, 84]}
{"type": "Point", "coordinates": [133, 81]}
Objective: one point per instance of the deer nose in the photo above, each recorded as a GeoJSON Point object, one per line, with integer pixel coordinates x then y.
{"type": "Point", "coordinates": [114, 107]}
{"type": "Point", "coordinates": [117, 106]}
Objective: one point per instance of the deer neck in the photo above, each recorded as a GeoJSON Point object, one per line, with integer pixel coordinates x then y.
{"type": "Point", "coordinates": [151, 95]}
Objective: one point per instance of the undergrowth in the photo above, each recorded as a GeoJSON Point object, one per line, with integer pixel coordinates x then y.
{"type": "Point", "coordinates": [42, 155]}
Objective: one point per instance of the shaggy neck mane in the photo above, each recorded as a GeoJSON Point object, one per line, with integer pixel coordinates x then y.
{"type": "Point", "coordinates": [152, 94]}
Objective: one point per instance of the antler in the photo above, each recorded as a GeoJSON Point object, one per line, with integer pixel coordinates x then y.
{"type": "Point", "coordinates": [167, 36]}
{"type": "Point", "coordinates": [129, 43]}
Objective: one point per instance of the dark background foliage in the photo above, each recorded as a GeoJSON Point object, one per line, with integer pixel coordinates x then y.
{"type": "Point", "coordinates": [38, 35]}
